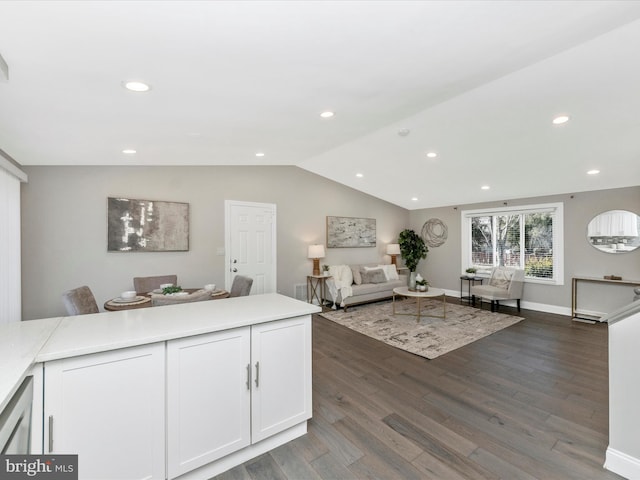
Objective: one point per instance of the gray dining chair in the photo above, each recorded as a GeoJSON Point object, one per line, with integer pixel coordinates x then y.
{"type": "Point", "coordinates": [149, 284]}
{"type": "Point", "coordinates": [80, 301]}
{"type": "Point", "coordinates": [241, 286]}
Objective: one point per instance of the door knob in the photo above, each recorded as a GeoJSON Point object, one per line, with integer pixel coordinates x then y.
{"type": "Point", "coordinates": [234, 270]}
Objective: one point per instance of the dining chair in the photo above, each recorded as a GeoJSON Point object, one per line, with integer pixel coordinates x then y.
{"type": "Point", "coordinates": [241, 286]}
{"type": "Point", "coordinates": [149, 284]}
{"type": "Point", "coordinates": [80, 301]}
{"type": "Point", "coordinates": [158, 300]}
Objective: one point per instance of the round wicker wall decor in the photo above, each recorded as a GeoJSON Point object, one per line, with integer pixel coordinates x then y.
{"type": "Point", "coordinates": [434, 232]}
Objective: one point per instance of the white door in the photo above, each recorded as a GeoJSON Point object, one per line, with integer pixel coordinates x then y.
{"type": "Point", "coordinates": [281, 390]}
{"type": "Point", "coordinates": [109, 409]}
{"type": "Point", "coordinates": [251, 244]}
{"type": "Point", "coordinates": [208, 398]}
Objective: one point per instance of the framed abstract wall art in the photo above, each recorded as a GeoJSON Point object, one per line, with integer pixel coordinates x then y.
{"type": "Point", "coordinates": [147, 226]}
{"type": "Point", "coordinates": [351, 232]}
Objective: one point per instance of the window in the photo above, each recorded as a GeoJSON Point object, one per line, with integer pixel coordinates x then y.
{"type": "Point", "coordinates": [527, 237]}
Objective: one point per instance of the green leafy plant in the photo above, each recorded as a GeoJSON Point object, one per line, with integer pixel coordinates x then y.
{"type": "Point", "coordinates": [412, 249]}
{"type": "Point", "coordinates": [541, 267]}
{"type": "Point", "coordinates": [168, 290]}
{"type": "Point", "coordinates": [325, 268]}
{"type": "Point", "coordinates": [471, 270]}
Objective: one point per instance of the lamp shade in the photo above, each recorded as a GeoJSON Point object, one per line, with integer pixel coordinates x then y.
{"type": "Point", "coordinates": [393, 249]}
{"type": "Point", "coordinates": [316, 251]}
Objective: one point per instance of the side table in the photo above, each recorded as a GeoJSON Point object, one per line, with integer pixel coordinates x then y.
{"type": "Point", "coordinates": [316, 285]}
{"type": "Point", "coordinates": [471, 282]}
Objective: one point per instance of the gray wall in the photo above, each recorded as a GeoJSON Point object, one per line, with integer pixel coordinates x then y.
{"type": "Point", "coordinates": [443, 264]}
{"type": "Point", "coordinates": [64, 235]}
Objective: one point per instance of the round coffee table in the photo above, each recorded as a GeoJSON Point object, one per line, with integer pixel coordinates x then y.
{"type": "Point", "coordinates": [431, 293]}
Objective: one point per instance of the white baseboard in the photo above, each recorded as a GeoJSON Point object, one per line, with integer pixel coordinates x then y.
{"type": "Point", "coordinates": [622, 464]}
{"type": "Point", "coordinates": [543, 307]}
{"type": "Point", "coordinates": [539, 307]}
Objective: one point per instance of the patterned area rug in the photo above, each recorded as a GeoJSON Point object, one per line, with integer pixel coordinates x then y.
{"type": "Point", "coordinates": [430, 338]}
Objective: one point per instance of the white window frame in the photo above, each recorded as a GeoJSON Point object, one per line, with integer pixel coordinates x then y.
{"type": "Point", "coordinates": [558, 236]}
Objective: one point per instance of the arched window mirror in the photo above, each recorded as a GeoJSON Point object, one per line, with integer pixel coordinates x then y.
{"type": "Point", "coordinates": [615, 231]}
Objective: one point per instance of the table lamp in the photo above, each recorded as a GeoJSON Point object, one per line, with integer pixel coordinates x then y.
{"type": "Point", "coordinates": [393, 250]}
{"type": "Point", "coordinates": [316, 252]}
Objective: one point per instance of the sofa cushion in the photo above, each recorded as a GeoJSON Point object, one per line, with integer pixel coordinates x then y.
{"type": "Point", "coordinates": [373, 275]}
{"type": "Point", "coordinates": [390, 271]}
{"type": "Point", "coordinates": [369, 288]}
{"type": "Point", "coordinates": [355, 271]}
{"type": "Point", "coordinates": [490, 292]}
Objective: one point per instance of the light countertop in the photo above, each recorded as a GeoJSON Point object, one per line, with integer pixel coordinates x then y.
{"type": "Point", "coordinates": [24, 343]}
{"type": "Point", "coordinates": [20, 342]}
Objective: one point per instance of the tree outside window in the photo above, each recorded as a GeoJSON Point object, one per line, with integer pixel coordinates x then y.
{"type": "Point", "coordinates": [522, 239]}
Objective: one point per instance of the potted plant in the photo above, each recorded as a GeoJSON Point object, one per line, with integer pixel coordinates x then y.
{"type": "Point", "coordinates": [325, 270]}
{"type": "Point", "coordinates": [412, 250]}
{"type": "Point", "coordinates": [421, 284]}
{"type": "Point", "coordinates": [471, 271]}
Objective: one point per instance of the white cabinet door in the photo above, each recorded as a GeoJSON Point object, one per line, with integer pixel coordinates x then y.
{"type": "Point", "coordinates": [208, 398]}
{"type": "Point", "coordinates": [281, 392]}
{"type": "Point", "coordinates": [109, 409]}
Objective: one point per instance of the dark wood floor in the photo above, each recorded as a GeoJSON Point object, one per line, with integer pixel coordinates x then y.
{"type": "Point", "coordinates": [528, 402]}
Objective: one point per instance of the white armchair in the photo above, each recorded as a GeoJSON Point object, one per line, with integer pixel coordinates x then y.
{"type": "Point", "coordinates": [504, 284]}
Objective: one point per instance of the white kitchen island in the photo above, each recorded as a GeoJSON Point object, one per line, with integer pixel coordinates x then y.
{"type": "Point", "coordinates": [182, 391]}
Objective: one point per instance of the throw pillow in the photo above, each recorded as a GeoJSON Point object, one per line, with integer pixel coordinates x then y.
{"type": "Point", "coordinates": [390, 272]}
{"type": "Point", "coordinates": [357, 279]}
{"type": "Point", "coordinates": [374, 275]}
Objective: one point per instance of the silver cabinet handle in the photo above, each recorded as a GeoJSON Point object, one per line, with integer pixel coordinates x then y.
{"type": "Point", "coordinates": [257, 374]}
{"type": "Point", "coordinates": [248, 376]}
{"type": "Point", "coordinates": [50, 433]}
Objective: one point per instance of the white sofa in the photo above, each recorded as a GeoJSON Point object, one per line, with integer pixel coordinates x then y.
{"type": "Point", "coordinates": [367, 284]}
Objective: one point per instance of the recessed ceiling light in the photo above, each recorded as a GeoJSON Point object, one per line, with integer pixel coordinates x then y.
{"type": "Point", "coordinates": [136, 86]}
{"type": "Point", "coordinates": [414, 199]}
{"type": "Point", "coordinates": [560, 119]}
{"type": "Point", "coordinates": [432, 154]}
{"type": "Point", "coordinates": [593, 172]}
{"type": "Point", "coordinates": [485, 187]}
{"type": "Point", "coordinates": [129, 151]}
{"type": "Point", "coordinates": [327, 114]}
{"type": "Point", "coordinates": [260, 154]}
{"type": "Point", "coordinates": [359, 175]}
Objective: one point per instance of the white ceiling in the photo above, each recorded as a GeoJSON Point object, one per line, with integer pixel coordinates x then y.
{"type": "Point", "coordinates": [478, 82]}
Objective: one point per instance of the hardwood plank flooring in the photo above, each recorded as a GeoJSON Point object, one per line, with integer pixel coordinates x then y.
{"type": "Point", "coordinates": [528, 402]}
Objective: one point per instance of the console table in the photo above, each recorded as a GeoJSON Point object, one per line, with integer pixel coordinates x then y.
{"type": "Point", "coordinates": [575, 313]}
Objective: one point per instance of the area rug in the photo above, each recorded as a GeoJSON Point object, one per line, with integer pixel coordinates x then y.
{"type": "Point", "coordinates": [431, 337]}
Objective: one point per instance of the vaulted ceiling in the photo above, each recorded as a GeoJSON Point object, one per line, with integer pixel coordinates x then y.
{"type": "Point", "coordinates": [475, 82]}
